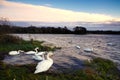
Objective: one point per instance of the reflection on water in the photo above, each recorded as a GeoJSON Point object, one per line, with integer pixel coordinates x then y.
{"type": "Point", "coordinates": [70, 56]}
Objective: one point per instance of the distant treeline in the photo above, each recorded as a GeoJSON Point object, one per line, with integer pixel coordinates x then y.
{"type": "Point", "coordinates": [7, 27]}
{"type": "Point", "coordinates": [103, 32]}
{"type": "Point", "coordinates": [42, 30]}
{"type": "Point", "coordinates": [50, 30]}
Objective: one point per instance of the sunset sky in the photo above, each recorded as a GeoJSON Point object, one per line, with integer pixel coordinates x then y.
{"type": "Point", "coordinates": [75, 12]}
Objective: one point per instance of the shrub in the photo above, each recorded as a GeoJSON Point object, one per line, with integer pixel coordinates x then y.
{"type": "Point", "coordinates": [8, 39]}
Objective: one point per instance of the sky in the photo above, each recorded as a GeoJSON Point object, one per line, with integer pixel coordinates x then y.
{"type": "Point", "coordinates": [89, 13]}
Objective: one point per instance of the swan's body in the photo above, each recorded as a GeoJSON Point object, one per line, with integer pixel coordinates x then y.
{"type": "Point", "coordinates": [32, 52]}
{"type": "Point", "coordinates": [39, 56]}
{"type": "Point", "coordinates": [88, 49]}
{"type": "Point", "coordinates": [110, 44]}
{"type": "Point", "coordinates": [40, 53]}
{"type": "Point", "coordinates": [45, 64]}
{"type": "Point", "coordinates": [78, 47]}
{"type": "Point", "coordinates": [15, 52]}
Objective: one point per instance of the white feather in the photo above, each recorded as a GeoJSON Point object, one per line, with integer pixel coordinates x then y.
{"type": "Point", "coordinates": [44, 65]}
{"type": "Point", "coordinates": [15, 52]}
{"type": "Point", "coordinates": [88, 49]}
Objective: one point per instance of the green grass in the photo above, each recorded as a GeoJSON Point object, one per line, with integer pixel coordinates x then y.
{"type": "Point", "coordinates": [11, 43]}
{"type": "Point", "coordinates": [24, 45]}
{"type": "Point", "coordinates": [8, 43]}
{"type": "Point", "coordinates": [103, 69]}
{"type": "Point", "coordinates": [98, 69]}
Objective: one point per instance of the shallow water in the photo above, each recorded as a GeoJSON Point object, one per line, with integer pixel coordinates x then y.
{"type": "Point", "coordinates": [70, 56]}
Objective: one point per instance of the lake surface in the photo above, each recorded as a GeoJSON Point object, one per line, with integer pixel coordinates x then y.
{"type": "Point", "coordinates": [70, 56]}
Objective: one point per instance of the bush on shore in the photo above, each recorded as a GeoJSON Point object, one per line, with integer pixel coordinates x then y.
{"type": "Point", "coordinates": [8, 39]}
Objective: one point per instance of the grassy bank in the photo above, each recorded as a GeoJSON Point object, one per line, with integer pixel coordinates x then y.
{"type": "Point", "coordinates": [98, 69]}
{"type": "Point", "coordinates": [11, 43]}
{"type": "Point", "coordinates": [8, 43]}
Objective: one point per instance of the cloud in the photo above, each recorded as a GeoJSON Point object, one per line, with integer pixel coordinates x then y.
{"type": "Point", "coordinates": [49, 5]}
{"type": "Point", "coordinates": [27, 12]}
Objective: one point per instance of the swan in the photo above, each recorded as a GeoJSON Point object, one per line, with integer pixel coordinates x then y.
{"type": "Point", "coordinates": [44, 65]}
{"type": "Point", "coordinates": [39, 56]}
{"type": "Point", "coordinates": [40, 53]}
{"type": "Point", "coordinates": [15, 52]}
{"type": "Point", "coordinates": [78, 47]}
{"type": "Point", "coordinates": [32, 52]}
{"type": "Point", "coordinates": [110, 44]}
{"type": "Point", "coordinates": [88, 49]}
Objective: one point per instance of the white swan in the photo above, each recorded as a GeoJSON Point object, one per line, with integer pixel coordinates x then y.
{"type": "Point", "coordinates": [39, 56]}
{"type": "Point", "coordinates": [15, 52]}
{"type": "Point", "coordinates": [45, 64]}
{"type": "Point", "coordinates": [110, 44]}
{"type": "Point", "coordinates": [32, 52]}
{"type": "Point", "coordinates": [40, 53]}
{"type": "Point", "coordinates": [88, 49]}
{"type": "Point", "coordinates": [78, 47]}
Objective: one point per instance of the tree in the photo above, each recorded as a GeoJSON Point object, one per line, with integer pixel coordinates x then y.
{"type": "Point", "coordinates": [79, 30]}
{"type": "Point", "coordinates": [4, 25]}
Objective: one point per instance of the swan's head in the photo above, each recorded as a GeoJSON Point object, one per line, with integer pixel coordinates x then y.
{"type": "Point", "coordinates": [20, 51]}
{"type": "Point", "coordinates": [36, 48]}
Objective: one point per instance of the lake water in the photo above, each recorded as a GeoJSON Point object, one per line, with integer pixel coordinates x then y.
{"type": "Point", "coordinates": [71, 57]}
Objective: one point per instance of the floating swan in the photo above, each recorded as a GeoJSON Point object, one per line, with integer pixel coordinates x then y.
{"type": "Point", "coordinates": [39, 56]}
{"type": "Point", "coordinates": [78, 47]}
{"type": "Point", "coordinates": [40, 53]}
{"type": "Point", "coordinates": [45, 64]}
{"type": "Point", "coordinates": [88, 49]}
{"type": "Point", "coordinates": [32, 52]}
{"type": "Point", "coordinates": [110, 44]}
{"type": "Point", "coordinates": [15, 52]}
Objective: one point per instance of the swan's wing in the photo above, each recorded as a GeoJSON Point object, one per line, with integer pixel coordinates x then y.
{"type": "Point", "coordinates": [13, 53]}
{"type": "Point", "coordinates": [40, 53]}
{"type": "Point", "coordinates": [37, 57]}
{"type": "Point", "coordinates": [43, 66]}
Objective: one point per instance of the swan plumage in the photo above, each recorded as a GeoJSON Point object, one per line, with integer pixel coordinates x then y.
{"type": "Point", "coordinates": [39, 56]}
{"type": "Point", "coordinates": [15, 52]}
{"type": "Point", "coordinates": [44, 65]}
{"type": "Point", "coordinates": [40, 53]}
{"type": "Point", "coordinates": [88, 49]}
{"type": "Point", "coordinates": [32, 52]}
{"type": "Point", "coordinates": [78, 47]}
{"type": "Point", "coordinates": [110, 44]}
{"type": "Point", "coordinates": [36, 57]}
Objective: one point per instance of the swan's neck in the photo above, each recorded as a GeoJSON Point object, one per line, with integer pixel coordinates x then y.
{"type": "Point", "coordinates": [36, 51]}
{"type": "Point", "coordinates": [18, 51]}
{"type": "Point", "coordinates": [48, 57]}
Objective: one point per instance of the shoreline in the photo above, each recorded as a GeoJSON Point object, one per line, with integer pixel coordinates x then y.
{"type": "Point", "coordinates": [69, 55]}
